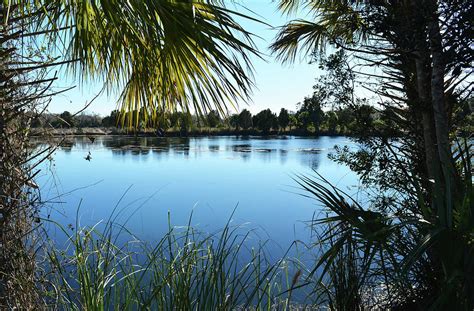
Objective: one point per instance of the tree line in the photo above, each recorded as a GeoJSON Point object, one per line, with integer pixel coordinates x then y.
{"type": "Point", "coordinates": [309, 119]}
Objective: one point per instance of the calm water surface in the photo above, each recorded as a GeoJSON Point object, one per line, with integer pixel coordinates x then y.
{"type": "Point", "coordinates": [209, 177]}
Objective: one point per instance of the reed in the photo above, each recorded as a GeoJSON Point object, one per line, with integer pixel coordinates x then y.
{"type": "Point", "coordinates": [184, 270]}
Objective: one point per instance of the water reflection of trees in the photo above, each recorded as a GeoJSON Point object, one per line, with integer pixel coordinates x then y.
{"type": "Point", "coordinates": [266, 154]}
{"type": "Point", "coordinates": [311, 159]}
{"type": "Point", "coordinates": [246, 148]}
{"type": "Point", "coordinates": [144, 145]}
{"type": "Point", "coordinates": [283, 156]}
{"type": "Point", "coordinates": [180, 145]}
{"type": "Point", "coordinates": [213, 148]}
{"type": "Point", "coordinates": [165, 147]}
{"type": "Point", "coordinates": [243, 150]}
{"type": "Point", "coordinates": [65, 149]}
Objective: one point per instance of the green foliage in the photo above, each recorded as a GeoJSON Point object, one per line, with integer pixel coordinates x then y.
{"type": "Point", "coordinates": [393, 241]}
{"type": "Point", "coordinates": [310, 114]}
{"type": "Point", "coordinates": [293, 121]}
{"type": "Point", "coordinates": [334, 21]}
{"type": "Point", "coordinates": [161, 56]}
{"type": "Point", "coordinates": [213, 119]}
{"type": "Point", "coordinates": [283, 119]}
{"type": "Point", "coordinates": [310, 118]}
{"type": "Point", "coordinates": [330, 122]}
{"type": "Point", "coordinates": [346, 121]}
{"type": "Point", "coordinates": [234, 121]}
{"type": "Point", "coordinates": [87, 120]}
{"type": "Point", "coordinates": [174, 119]}
{"type": "Point", "coordinates": [184, 270]}
{"type": "Point", "coordinates": [65, 119]}
{"type": "Point", "coordinates": [185, 122]}
{"type": "Point", "coordinates": [265, 120]}
{"type": "Point", "coordinates": [111, 120]}
{"type": "Point", "coordinates": [245, 119]}
{"type": "Point", "coordinates": [410, 238]}
{"type": "Point", "coordinates": [336, 87]}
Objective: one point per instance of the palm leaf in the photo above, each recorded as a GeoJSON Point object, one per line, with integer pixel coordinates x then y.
{"type": "Point", "coordinates": [160, 55]}
{"type": "Point", "coordinates": [333, 22]}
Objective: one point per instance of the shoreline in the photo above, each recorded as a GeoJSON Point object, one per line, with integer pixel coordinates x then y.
{"type": "Point", "coordinates": [101, 131]}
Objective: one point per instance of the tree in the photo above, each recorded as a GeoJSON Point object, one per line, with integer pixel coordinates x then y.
{"type": "Point", "coordinates": [153, 41]}
{"type": "Point", "coordinates": [174, 119]}
{"type": "Point", "coordinates": [283, 118]}
{"type": "Point", "coordinates": [63, 120]}
{"type": "Point", "coordinates": [304, 120]}
{"type": "Point", "coordinates": [185, 122]}
{"type": "Point", "coordinates": [345, 117]}
{"type": "Point", "coordinates": [87, 120]}
{"type": "Point", "coordinates": [245, 119]}
{"type": "Point", "coordinates": [234, 121]}
{"type": "Point", "coordinates": [213, 119]}
{"type": "Point", "coordinates": [331, 121]}
{"type": "Point", "coordinates": [112, 119]}
{"type": "Point", "coordinates": [310, 113]}
{"type": "Point", "coordinates": [364, 116]}
{"type": "Point", "coordinates": [293, 121]}
{"type": "Point", "coordinates": [265, 120]}
{"type": "Point", "coordinates": [418, 55]}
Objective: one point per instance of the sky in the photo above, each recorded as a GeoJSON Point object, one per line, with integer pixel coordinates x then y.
{"type": "Point", "coordinates": [277, 85]}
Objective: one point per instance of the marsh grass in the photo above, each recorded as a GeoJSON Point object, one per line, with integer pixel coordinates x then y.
{"type": "Point", "coordinates": [184, 270]}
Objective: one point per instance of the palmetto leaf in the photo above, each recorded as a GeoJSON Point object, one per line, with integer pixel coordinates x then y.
{"type": "Point", "coordinates": [425, 243]}
{"type": "Point", "coordinates": [333, 21]}
{"type": "Point", "coordinates": [348, 229]}
{"type": "Point", "coordinates": [162, 55]}
{"type": "Point", "coordinates": [372, 225]}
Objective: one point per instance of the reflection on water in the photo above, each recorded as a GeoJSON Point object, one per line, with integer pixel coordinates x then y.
{"type": "Point", "coordinates": [207, 176]}
{"type": "Point", "coordinates": [214, 148]}
{"type": "Point", "coordinates": [265, 149]}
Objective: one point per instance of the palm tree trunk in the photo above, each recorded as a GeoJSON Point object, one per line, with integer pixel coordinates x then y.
{"type": "Point", "coordinates": [423, 82]}
{"type": "Point", "coordinates": [440, 116]}
{"type": "Point", "coordinates": [429, 134]}
{"type": "Point", "coordinates": [437, 93]}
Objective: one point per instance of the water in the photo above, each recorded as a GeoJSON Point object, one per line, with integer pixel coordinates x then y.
{"type": "Point", "coordinates": [209, 177]}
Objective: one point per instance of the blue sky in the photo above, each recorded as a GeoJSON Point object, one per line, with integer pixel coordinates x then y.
{"type": "Point", "coordinates": [277, 85]}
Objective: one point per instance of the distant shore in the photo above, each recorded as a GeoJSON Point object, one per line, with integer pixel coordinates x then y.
{"type": "Point", "coordinates": [103, 131]}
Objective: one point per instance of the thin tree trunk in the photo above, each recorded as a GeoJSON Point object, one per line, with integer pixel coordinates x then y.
{"type": "Point", "coordinates": [440, 116]}
{"type": "Point", "coordinates": [429, 134]}
{"type": "Point", "coordinates": [437, 93]}
{"type": "Point", "coordinates": [423, 87]}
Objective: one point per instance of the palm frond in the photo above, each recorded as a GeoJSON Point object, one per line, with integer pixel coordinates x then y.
{"type": "Point", "coordinates": [162, 55]}
{"type": "Point", "coordinates": [333, 22]}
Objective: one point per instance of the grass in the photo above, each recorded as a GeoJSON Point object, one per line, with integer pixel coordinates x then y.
{"type": "Point", "coordinates": [184, 270]}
